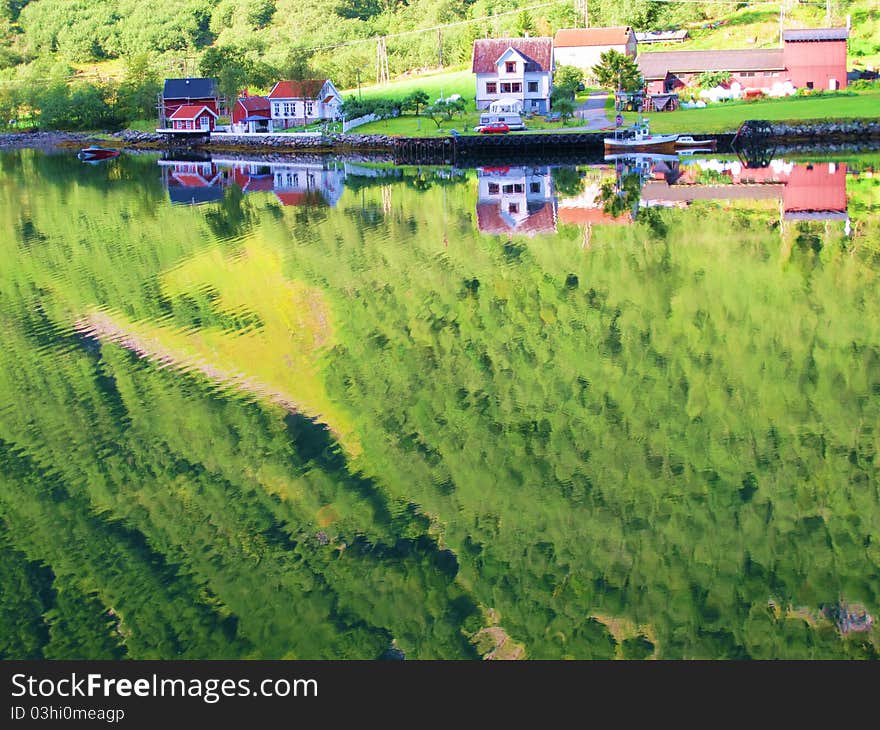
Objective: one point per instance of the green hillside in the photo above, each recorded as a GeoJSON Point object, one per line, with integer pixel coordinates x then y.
{"type": "Point", "coordinates": [334, 37]}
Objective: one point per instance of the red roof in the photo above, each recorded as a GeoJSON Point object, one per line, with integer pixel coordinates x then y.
{"type": "Point", "coordinates": [582, 216]}
{"type": "Point", "coordinates": [191, 179]}
{"type": "Point", "coordinates": [308, 89]}
{"type": "Point", "coordinates": [490, 220]}
{"type": "Point", "coordinates": [300, 198]}
{"type": "Point", "coordinates": [255, 104]}
{"type": "Point", "coordinates": [656, 64]}
{"type": "Point", "coordinates": [576, 37]}
{"type": "Point", "coordinates": [192, 111]}
{"type": "Point", "coordinates": [538, 53]}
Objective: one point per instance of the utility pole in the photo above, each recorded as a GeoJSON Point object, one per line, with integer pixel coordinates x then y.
{"type": "Point", "coordinates": [582, 12]}
{"type": "Point", "coordinates": [440, 47]}
{"type": "Point", "coordinates": [827, 13]}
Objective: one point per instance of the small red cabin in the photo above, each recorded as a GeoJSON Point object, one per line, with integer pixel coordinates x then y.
{"type": "Point", "coordinates": [251, 114]}
{"type": "Point", "coordinates": [193, 118]}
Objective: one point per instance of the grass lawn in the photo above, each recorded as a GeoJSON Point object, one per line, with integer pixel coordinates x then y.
{"type": "Point", "coordinates": [408, 125]}
{"type": "Point", "coordinates": [448, 83]}
{"type": "Point", "coordinates": [726, 117]}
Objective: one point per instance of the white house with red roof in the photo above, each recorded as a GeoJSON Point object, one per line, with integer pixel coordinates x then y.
{"type": "Point", "coordinates": [514, 68]}
{"type": "Point", "coordinates": [298, 103]}
{"type": "Point", "coordinates": [193, 118]}
{"type": "Point", "coordinates": [515, 200]}
{"type": "Point", "coordinates": [582, 47]}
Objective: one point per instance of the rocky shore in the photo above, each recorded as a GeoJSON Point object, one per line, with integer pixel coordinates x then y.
{"type": "Point", "coordinates": [854, 132]}
{"type": "Point", "coordinates": [44, 140]}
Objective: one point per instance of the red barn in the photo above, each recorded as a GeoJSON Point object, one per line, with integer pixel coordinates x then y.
{"type": "Point", "coordinates": [193, 118]}
{"type": "Point", "coordinates": [251, 114]}
{"type": "Point", "coordinates": [816, 57]}
{"type": "Point", "coordinates": [810, 58]}
{"type": "Point", "coordinates": [183, 92]}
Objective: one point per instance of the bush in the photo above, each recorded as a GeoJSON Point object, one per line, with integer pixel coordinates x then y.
{"type": "Point", "coordinates": [353, 108]}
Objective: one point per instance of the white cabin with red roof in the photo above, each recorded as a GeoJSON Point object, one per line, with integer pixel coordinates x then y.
{"type": "Point", "coordinates": [193, 118]}
{"type": "Point", "coordinates": [298, 103]}
{"type": "Point", "coordinates": [514, 68]}
{"type": "Point", "coordinates": [515, 200]}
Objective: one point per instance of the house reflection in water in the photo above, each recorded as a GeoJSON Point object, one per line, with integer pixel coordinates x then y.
{"type": "Point", "coordinates": [193, 182]}
{"type": "Point", "coordinates": [515, 200]}
{"type": "Point", "coordinates": [805, 191]}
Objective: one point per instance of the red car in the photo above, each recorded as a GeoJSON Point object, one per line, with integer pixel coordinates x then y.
{"type": "Point", "coordinates": [494, 128]}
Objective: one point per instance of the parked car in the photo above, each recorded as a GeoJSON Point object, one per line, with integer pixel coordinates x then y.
{"type": "Point", "coordinates": [494, 128]}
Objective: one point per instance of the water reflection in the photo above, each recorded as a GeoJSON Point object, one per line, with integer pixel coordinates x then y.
{"type": "Point", "coordinates": [518, 200]}
{"type": "Point", "coordinates": [530, 200]}
{"type": "Point", "coordinates": [245, 429]}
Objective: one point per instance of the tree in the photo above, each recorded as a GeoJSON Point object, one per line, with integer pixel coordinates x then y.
{"type": "Point", "coordinates": [568, 78]}
{"type": "Point", "coordinates": [415, 101]}
{"type": "Point", "coordinates": [617, 71]}
{"type": "Point", "coordinates": [260, 12]}
{"type": "Point", "coordinates": [565, 107]}
{"type": "Point", "coordinates": [525, 25]}
{"type": "Point", "coordinates": [137, 94]}
{"type": "Point", "coordinates": [711, 79]}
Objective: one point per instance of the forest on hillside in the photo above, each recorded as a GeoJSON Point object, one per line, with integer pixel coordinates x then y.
{"type": "Point", "coordinates": [290, 36]}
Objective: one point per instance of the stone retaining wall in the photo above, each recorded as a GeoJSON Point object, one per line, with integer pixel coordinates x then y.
{"type": "Point", "coordinates": [271, 141]}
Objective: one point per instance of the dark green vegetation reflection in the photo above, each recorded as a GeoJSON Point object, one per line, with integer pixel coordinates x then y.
{"type": "Point", "coordinates": [657, 440]}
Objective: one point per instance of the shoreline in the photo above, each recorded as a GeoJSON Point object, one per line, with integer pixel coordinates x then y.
{"type": "Point", "coordinates": [855, 134]}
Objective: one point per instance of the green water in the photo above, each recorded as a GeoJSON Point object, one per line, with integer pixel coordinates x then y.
{"type": "Point", "coordinates": [329, 415]}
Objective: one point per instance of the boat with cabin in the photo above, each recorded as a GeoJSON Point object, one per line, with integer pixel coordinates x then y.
{"type": "Point", "coordinates": [638, 138]}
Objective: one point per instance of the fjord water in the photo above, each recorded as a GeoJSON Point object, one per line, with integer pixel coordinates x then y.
{"type": "Point", "coordinates": [342, 410]}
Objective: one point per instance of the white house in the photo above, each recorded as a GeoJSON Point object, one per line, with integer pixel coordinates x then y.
{"type": "Point", "coordinates": [582, 47]}
{"type": "Point", "coordinates": [520, 68]}
{"type": "Point", "coordinates": [515, 200]}
{"type": "Point", "coordinates": [297, 103]}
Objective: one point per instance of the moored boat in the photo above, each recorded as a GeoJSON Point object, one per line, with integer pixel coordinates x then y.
{"type": "Point", "coordinates": [638, 138]}
{"type": "Point", "coordinates": [686, 141]}
{"type": "Point", "coordinates": [89, 154]}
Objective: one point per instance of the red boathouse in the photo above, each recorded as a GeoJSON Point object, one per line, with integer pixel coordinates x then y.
{"type": "Point", "coordinates": [193, 118]}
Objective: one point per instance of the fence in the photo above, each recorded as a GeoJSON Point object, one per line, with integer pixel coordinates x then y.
{"type": "Point", "coordinates": [349, 124]}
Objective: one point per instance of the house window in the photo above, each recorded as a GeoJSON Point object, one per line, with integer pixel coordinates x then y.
{"type": "Point", "coordinates": [534, 187]}
{"type": "Point", "coordinates": [510, 67]}
{"type": "Point", "coordinates": [276, 110]}
{"type": "Point", "coordinates": [515, 188]}
{"type": "Point", "coordinates": [516, 88]}
{"type": "Point", "coordinates": [493, 188]}
{"type": "Point", "coordinates": [310, 108]}
{"type": "Point", "coordinates": [774, 73]}
{"type": "Point", "coordinates": [747, 73]}
{"type": "Point", "coordinates": [513, 208]}
{"type": "Point", "coordinates": [505, 88]}
{"type": "Point", "coordinates": [491, 87]}
{"type": "Point", "coordinates": [809, 84]}
{"type": "Point", "coordinates": [533, 87]}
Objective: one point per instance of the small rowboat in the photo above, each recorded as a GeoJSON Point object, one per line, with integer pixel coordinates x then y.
{"type": "Point", "coordinates": [90, 154]}
{"type": "Point", "coordinates": [688, 141]}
